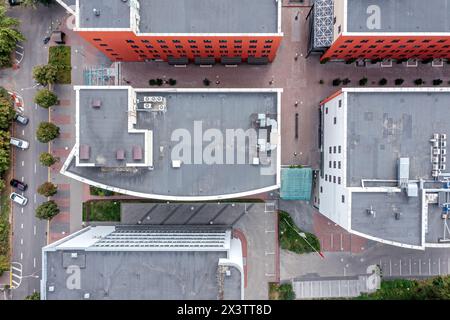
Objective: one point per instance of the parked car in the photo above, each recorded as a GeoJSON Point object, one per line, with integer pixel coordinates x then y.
{"type": "Point", "coordinates": [46, 40]}
{"type": "Point", "coordinates": [22, 144]}
{"type": "Point", "coordinates": [18, 184]}
{"type": "Point", "coordinates": [19, 199]}
{"type": "Point", "coordinates": [20, 118]}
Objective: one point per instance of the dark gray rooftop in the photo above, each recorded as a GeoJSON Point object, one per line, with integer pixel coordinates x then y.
{"type": "Point", "coordinates": [400, 15]}
{"type": "Point", "coordinates": [108, 131]}
{"type": "Point", "coordinates": [99, 127]}
{"type": "Point", "coordinates": [384, 126]}
{"type": "Point", "coordinates": [206, 16]}
{"type": "Point", "coordinates": [113, 14]}
{"type": "Point", "coordinates": [224, 214]}
{"type": "Point", "coordinates": [406, 230]}
{"type": "Point", "coordinates": [120, 275]}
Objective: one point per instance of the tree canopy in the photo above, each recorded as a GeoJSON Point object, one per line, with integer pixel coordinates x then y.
{"type": "Point", "coordinates": [9, 36]}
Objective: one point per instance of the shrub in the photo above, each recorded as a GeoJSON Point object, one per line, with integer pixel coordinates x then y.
{"type": "Point", "coordinates": [418, 82]}
{"type": "Point", "coordinates": [46, 74]}
{"type": "Point", "coordinates": [206, 82]}
{"type": "Point", "coordinates": [47, 189]}
{"type": "Point", "coordinates": [152, 82]}
{"type": "Point", "coordinates": [346, 81]}
{"type": "Point", "coordinates": [336, 82]}
{"type": "Point", "coordinates": [47, 160]}
{"type": "Point", "coordinates": [321, 81]}
{"type": "Point", "coordinates": [47, 210]}
{"type": "Point", "coordinates": [437, 82]}
{"type": "Point", "coordinates": [323, 61]}
{"type": "Point", "coordinates": [45, 98]}
{"type": "Point", "coordinates": [383, 82]}
{"type": "Point", "coordinates": [399, 82]}
{"type": "Point", "coordinates": [6, 112]}
{"type": "Point", "coordinates": [172, 82]}
{"type": "Point", "coordinates": [159, 82]}
{"type": "Point", "coordinates": [47, 132]}
{"type": "Point", "coordinates": [363, 81]}
{"type": "Point", "coordinates": [350, 61]}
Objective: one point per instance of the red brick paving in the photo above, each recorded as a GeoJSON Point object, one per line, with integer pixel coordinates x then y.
{"type": "Point", "coordinates": [63, 216]}
{"type": "Point", "coordinates": [237, 233]}
{"type": "Point", "coordinates": [63, 186]}
{"type": "Point", "coordinates": [60, 152]}
{"type": "Point", "coordinates": [65, 135]}
{"type": "Point", "coordinates": [62, 202]}
{"type": "Point", "coordinates": [64, 103]}
{"type": "Point", "coordinates": [333, 238]}
{"type": "Point", "coordinates": [57, 166]}
{"type": "Point", "coordinates": [61, 119]}
{"type": "Point", "coordinates": [56, 236]}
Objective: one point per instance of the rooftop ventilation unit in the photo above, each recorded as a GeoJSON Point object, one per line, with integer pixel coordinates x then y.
{"type": "Point", "coordinates": [403, 172]}
{"type": "Point", "coordinates": [96, 12]}
{"type": "Point", "coordinates": [74, 255]}
{"type": "Point", "coordinates": [87, 295]}
{"type": "Point", "coordinates": [51, 289]}
{"type": "Point", "coordinates": [371, 212]}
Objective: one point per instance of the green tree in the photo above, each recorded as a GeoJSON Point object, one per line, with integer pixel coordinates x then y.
{"type": "Point", "coordinates": [2, 185]}
{"type": "Point", "coordinates": [5, 160]}
{"type": "Point", "coordinates": [47, 160]}
{"type": "Point", "coordinates": [33, 296]}
{"type": "Point", "coordinates": [6, 112]}
{"type": "Point", "coordinates": [45, 98]}
{"type": "Point", "coordinates": [47, 132]}
{"type": "Point", "coordinates": [9, 36]}
{"type": "Point", "coordinates": [45, 74]}
{"type": "Point", "coordinates": [47, 189]}
{"type": "Point", "coordinates": [47, 210]}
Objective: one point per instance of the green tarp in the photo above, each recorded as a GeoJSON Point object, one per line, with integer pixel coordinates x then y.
{"type": "Point", "coordinates": [296, 183]}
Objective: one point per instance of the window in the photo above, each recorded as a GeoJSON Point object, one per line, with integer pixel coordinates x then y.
{"type": "Point", "coordinates": [334, 149]}
{"type": "Point", "coordinates": [176, 41]}
{"type": "Point", "coordinates": [326, 110]}
{"type": "Point", "coordinates": [130, 41]}
{"type": "Point", "coordinates": [135, 46]}
{"type": "Point", "coordinates": [326, 177]}
{"type": "Point", "coordinates": [339, 180]}
{"type": "Point", "coordinates": [109, 49]}
{"type": "Point", "coordinates": [340, 103]}
{"type": "Point", "coordinates": [103, 45]}
{"type": "Point", "coordinates": [331, 149]}
{"type": "Point", "coordinates": [334, 179]}
{"type": "Point", "coordinates": [335, 120]}
{"type": "Point", "coordinates": [269, 41]}
{"type": "Point", "coordinates": [321, 189]}
{"type": "Point", "coordinates": [364, 41]}
{"type": "Point", "coordinates": [268, 47]}
{"type": "Point", "coordinates": [343, 199]}
{"type": "Point", "coordinates": [160, 41]}
{"type": "Point", "coordinates": [237, 41]}
{"type": "Point", "coordinates": [222, 41]}
{"type": "Point", "coordinates": [339, 29]}
{"type": "Point", "coordinates": [334, 164]}
{"type": "Point", "coordinates": [253, 41]}
{"type": "Point", "coordinates": [191, 41]}
{"type": "Point", "coordinates": [145, 41]}
{"type": "Point", "coordinates": [339, 165]}
{"type": "Point", "coordinates": [97, 39]}
{"type": "Point", "coordinates": [206, 41]}
{"type": "Point", "coordinates": [340, 149]}
{"type": "Point", "coordinates": [329, 164]}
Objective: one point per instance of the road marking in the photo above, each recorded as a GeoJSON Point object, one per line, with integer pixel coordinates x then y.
{"type": "Point", "coordinates": [332, 238]}
{"type": "Point", "coordinates": [23, 163]}
{"type": "Point", "coordinates": [21, 241]}
{"type": "Point", "coordinates": [390, 267]}
{"type": "Point", "coordinates": [23, 132]}
{"type": "Point", "coordinates": [34, 230]}
{"type": "Point", "coordinates": [34, 262]}
{"type": "Point", "coordinates": [23, 179]}
{"type": "Point", "coordinates": [400, 266]}
{"type": "Point", "coordinates": [342, 247]}
{"type": "Point", "coordinates": [35, 168]}
{"type": "Point", "coordinates": [429, 266]}
{"type": "Point", "coordinates": [35, 198]}
{"type": "Point", "coordinates": [21, 210]}
{"type": "Point", "coordinates": [21, 226]}
{"type": "Point", "coordinates": [21, 256]}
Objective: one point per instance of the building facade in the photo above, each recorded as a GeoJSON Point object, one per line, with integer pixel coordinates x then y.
{"type": "Point", "coordinates": [201, 32]}
{"type": "Point", "coordinates": [377, 30]}
{"type": "Point", "coordinates": [383, 164]}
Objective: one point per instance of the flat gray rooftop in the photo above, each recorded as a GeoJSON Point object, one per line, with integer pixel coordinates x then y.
{"type": "Point", "coordinates": [113, 14]}
{"type": "Point", "coordinates": [406, 230]}
{"type": "Point", "coordinates": [185, 16]}
{"type": "Point", "coordinates": [400, 15]}
{"type": "Point", "coordinates": [206, 16]}
{"type": "Point", "coordinates": [105, 130]}
{"type": "Point", "coordinates": [382, 127]}
{"type": "Point", "coordinates": [435, 224]}
{"type": "Point", "coordinates": [119, 275]}
{"type": "Point", "coordinates": [99, 127]}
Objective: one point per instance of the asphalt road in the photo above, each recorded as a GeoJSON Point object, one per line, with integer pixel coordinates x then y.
{"type": "Point", "coordinates": [29, 233]}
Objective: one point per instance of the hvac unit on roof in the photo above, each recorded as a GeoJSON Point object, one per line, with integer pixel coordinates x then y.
{"type": "Point", "coordinates": [443, 136]}
{"type": "Point", "coordinates": [96, 12]}
{"type": "Point", "coordinates": [51, 289]}
{"type": "Point", "coordinates": [86, 295]}
{"type": "Point", "coordinates": [74, 255]}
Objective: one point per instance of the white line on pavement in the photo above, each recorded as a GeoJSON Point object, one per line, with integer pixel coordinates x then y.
{"type": "Point", "coordinates": [21, 256]}
{"type": "Point", "coordinates": [400, 266]}
{"type": "Point", "coordinates": [21, 210]}
{"type": "Point", "coordinates": [410, 267]}
{"type": "Point", "coordinates": [34, 230]}
{"type": "Point", "coordinates": [23, 132]}
{"type": "Point", "coordinates": [23, 163]}
{"type": "Point", "coordinates": [34, 262]}
{"type": "Point", "coordinates": [35, 198]}
{"type": "Point", "coordinates": [21, 241]}
{"type": "Point", "coordinates": [21, 226]}
{"type": "Point", "coordinates": [420, 267]}
{"type": "Point", "coordinates": [429, 266]}
{"type": "Point", "coordinates": [35, 168]}
{"type": "Point", "coordinates": [390, 267]}
{"type": "Point", "coordinates": [23, 179]}
{"type": "Point", "coordinates": [439, 266]}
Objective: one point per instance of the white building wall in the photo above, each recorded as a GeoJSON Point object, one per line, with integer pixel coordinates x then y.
{"type": "Point", "coordinates": [334, 196]}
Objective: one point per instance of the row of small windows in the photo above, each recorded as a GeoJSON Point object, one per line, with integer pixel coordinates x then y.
{"type": "Point", "coordinates": [194, 41]}
{"type": "Point", "coordinates": [335, 148]}
{"type": "Point", "coordinates": [398, 40]}
{"type": "Point", "coordinates": [333, 179]}
{"type": "Point", "coordinates": [332, 164]}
